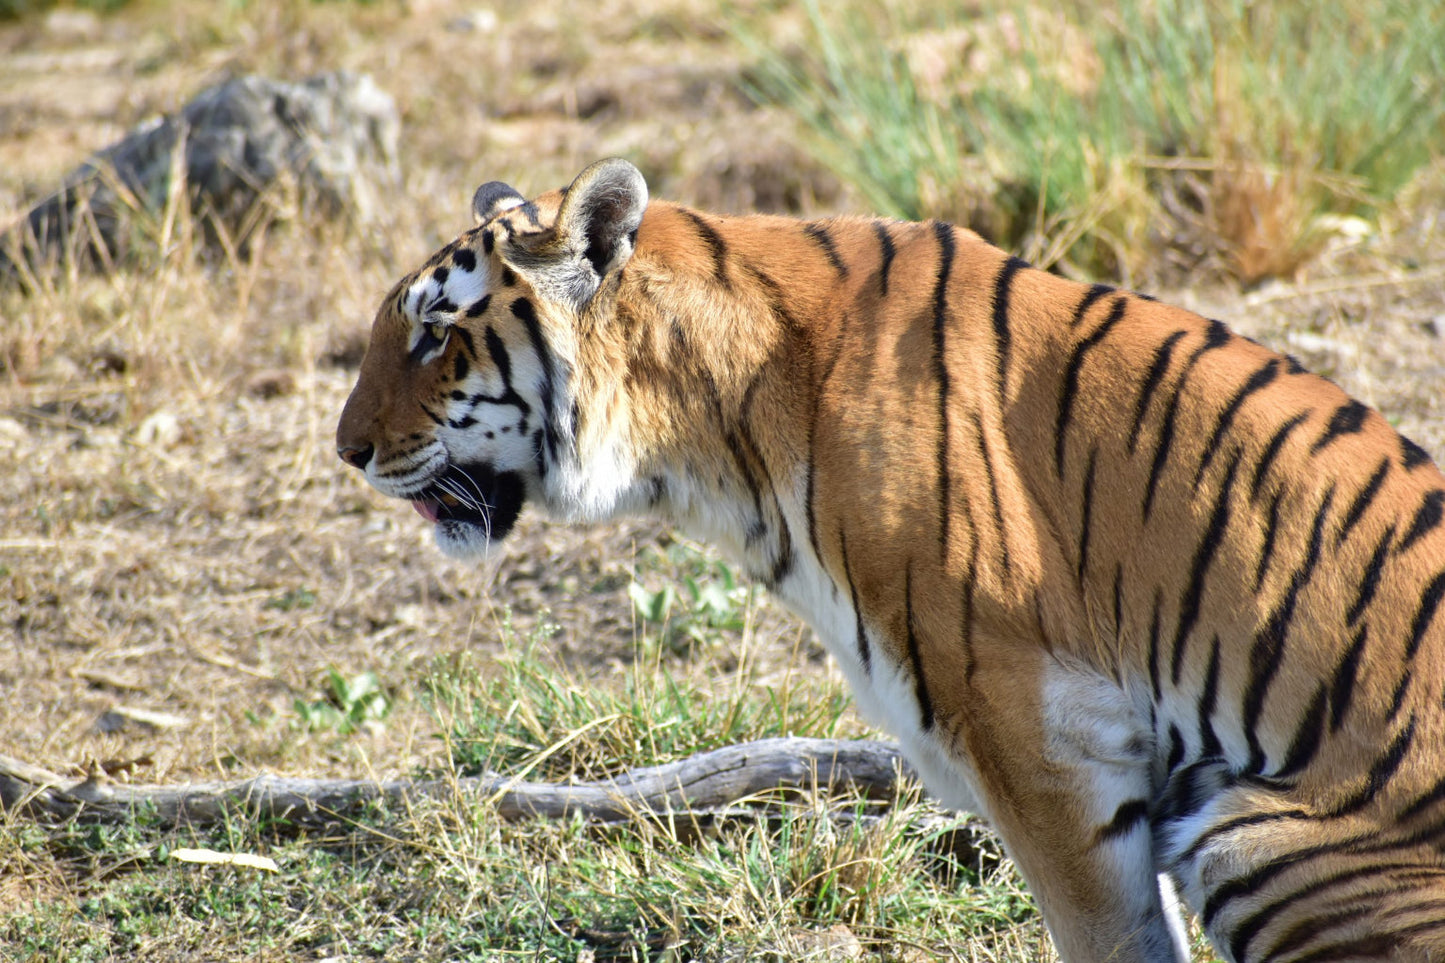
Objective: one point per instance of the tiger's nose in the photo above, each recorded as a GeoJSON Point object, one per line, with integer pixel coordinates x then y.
{"type": "Point", "coordinates": [355, 457]}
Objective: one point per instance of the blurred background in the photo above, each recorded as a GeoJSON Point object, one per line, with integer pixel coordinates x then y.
{"type": "Point", "coordinates": [201, 204]}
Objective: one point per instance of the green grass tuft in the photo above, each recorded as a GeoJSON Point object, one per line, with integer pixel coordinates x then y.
{"type": "Point", "coordinates": [523, 715]}
{"type": "Point", "coordinates": [1091, 135]}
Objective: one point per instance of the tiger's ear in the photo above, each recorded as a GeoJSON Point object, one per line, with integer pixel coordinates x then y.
{"type": "Point", "coordinates": [593, 234]}
{"type": "Point", "coordinates": [602, 211]}
{"type": "Point", "coordinates": [492, 198]}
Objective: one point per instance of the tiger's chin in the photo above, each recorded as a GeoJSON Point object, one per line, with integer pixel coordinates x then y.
{"type": "Point", "coordinates": [471, 508]}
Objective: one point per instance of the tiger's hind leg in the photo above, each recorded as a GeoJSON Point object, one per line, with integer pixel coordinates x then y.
{"type": "Point", "coordinates": [1273, 881]}
{"type": "Point", "coordinates": [1066, 780]}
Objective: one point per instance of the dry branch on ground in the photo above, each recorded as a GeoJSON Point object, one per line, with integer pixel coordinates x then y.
{"type": "Point", "coordinates": [706, 781]}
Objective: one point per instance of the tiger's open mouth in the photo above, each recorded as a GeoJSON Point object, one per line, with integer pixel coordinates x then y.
{"type": "Point", "coordinates": [473, 495]}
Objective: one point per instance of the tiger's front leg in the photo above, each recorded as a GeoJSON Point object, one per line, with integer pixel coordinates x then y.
{"type": "Point", "coordinates": [1061, 768]}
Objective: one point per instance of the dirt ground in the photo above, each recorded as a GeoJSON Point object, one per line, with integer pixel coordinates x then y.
{"type": "Point", "coordinates": [182, 557]}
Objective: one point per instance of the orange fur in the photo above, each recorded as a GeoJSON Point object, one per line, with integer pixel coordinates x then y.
{"type": "Point", "coordinates": [1147, 594]}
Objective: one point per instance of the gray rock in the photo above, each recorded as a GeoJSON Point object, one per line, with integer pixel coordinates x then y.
{"type": "Point", "coordinates": [329, 142]}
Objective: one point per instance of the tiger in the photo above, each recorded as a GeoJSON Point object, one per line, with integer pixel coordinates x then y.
{"type": "Point", "coordinates": [1159, 604]}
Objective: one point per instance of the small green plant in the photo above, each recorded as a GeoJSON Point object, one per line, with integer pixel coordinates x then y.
{"type": "Point", "coordinates": [292, 599]}
{"type": "Point", "coordinates": [704, 602]}
{"type": "Point", "coordinates": [349, 704]}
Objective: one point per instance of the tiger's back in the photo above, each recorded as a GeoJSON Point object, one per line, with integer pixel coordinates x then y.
{"type": "Point", "coordinates": [1149, 596]}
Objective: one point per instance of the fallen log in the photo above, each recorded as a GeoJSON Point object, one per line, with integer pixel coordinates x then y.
{"type": "Point", "coordinates": [707, 781]}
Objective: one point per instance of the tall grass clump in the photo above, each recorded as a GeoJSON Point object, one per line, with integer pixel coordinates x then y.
{"type": "Point", "coordinates": [1088, 134]}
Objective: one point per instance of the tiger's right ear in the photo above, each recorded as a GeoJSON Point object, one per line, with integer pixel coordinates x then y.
{"type": "Point", "coordinates": [492, 198]}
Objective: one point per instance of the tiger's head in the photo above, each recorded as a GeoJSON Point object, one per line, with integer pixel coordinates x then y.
{"type": "Point", "coordinates": [466, 402]}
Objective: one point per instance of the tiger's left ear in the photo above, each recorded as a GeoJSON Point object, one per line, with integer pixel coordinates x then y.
{"type": "Point", "coordinates": [492, 198]}
{"type": "Point", "coordinates": [593, 235]}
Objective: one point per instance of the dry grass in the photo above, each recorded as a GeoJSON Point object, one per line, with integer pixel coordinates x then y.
{"type": "Point", "coordinates": [176, 535]}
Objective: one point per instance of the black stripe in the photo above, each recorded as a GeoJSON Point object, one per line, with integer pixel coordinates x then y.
{"type": "Point", "coordinates": [1251, 882]}
{"type": "Point", "coordinates": [993, 494]}
{"type": "Point", "coordinates": [459, 366]}
{"type": "Point", "coordinates": [1130, 814]}
{"type": "Point", "coordinates": [1176, 749]}
{"type": "Point", "coordinates": [1203, 559]}
{"type": "Point", "coordinates": [1429, 602]}
{"type": "Point", "coordinates": [1427, 517]}
{"type": "Point", "coordinates": [824, 239]}
{"type": "Point", "coordinates": [1087, 512]}
{"type": "Point", "coordinates": [1095, 292]}
{"type": "Point", "coordinates": [1268, 649]}
{"type": "Point", "coordinates": [1342, 691]}
{"type": "Point", "coordinates": [777, 297]}
{"type": "Point", "coordinates": [735, 448]}
{"type": "Point", "coordinates": [523, 310]}
{"type": "Point", "coordinates": [1370, 580]}
{"type": "Point", "coordinates": [865, 652]}
{"type": "Point", "coordinates": [1431, 798]}
{"type": "Point", "coordinates": [1363, 500]}
{"type": "Point", "coordinates": [1381, 772]}
{"type": "Point", "coordinates": [1154, 644]}
{"type": "Point", "coordinates": [1374, 946]}
{"type": "Point", "coordinates": [1251, 925]}
{"type": "Point", "coordinates": [502, 361]}
{"type": "Point", "coordinates": [478, 307]}
{"type": "Point", "coordinates": [969, 575]}
{"type": "Point", "coordinates": [1397, 701]}
{"type": "Point", "coordinates": [1257, 382]}
{"type": "Point", "coordinates": [1003, 339]}
{"type": "Point", "coordinates": [716, 245]}
{"type": "Point", "coordinates": [1412, 456]}
{"type": "Point", "coordinates": [1359, 844]}
{"type": "Point", "coordinates": [1307, 736]}
{"type": "Point", "coordinates": [1306, 931]}
{"type": "Point", "coordinates": [1071, 374]}
{"type": "Point", "coordinates": [1152, 380]}
{"type": "Point", "coordinates": [1216, 336]}
{"type": "Point", "coordinates": [1272, 450]}
{"type": "Point", "coordinates": [886, 251]}
{"type": "Point", "coordinates": [1347, 419]}
{"type": "Point", "coordinates": [783, 554]}
{"type": "Point", "coordinates": [489, 241]}
{"type": "Point", "coordinates": [1271, 532]}
{"type": "Point", "coordinates": [1209, 740]}
{"type": "Point", "coordinates": [915, 657]}
{"type": "Point", "coordinates": [1161, 450]}
{"type": "Point", "coordinates": [944, 233]}
{"type": "Point", "coordinates": [784, 558]}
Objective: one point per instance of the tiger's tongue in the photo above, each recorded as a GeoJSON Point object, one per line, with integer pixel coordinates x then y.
{"type": "Point", "coordinates": [426, 508]}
